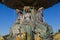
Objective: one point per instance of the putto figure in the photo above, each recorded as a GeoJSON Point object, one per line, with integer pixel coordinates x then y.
{"type": "Point", "coordinates": [39, 15]}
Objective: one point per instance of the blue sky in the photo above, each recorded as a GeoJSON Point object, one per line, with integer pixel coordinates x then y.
{"type": "Point", "coordinates": [8, 17]}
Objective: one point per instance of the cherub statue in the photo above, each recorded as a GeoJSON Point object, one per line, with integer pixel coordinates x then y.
{"type": "Point", "coordinates": [27, 24]}
{"type": "Point", "coordinates": [39, 15]}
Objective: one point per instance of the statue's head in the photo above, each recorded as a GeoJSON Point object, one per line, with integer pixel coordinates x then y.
{"type": "Point", "coordinates": [19, 11]}
{"type": "Point", "coordinates": [40, 9]}
{"type": "Point", "coordinates": [26, 9]}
